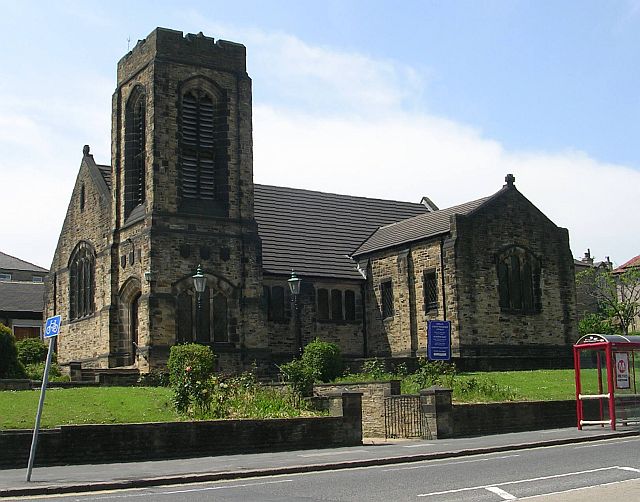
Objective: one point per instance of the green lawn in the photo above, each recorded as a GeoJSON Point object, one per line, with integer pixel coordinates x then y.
{"type": "Point", "coordinates": [92, 405]}
{"type": "Point", "coordinates": [538, 385]}
{"type": "Point", "coordinates": [107, 405]}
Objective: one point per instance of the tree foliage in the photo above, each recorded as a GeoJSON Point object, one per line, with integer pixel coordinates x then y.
{"type": "Point", "coordinates": [617, 294]}
{"type": "Point", "coordinates": [10, 366]}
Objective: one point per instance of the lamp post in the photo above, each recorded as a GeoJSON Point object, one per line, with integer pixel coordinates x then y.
{"type": "Point", "coordinates": [294, 286]}
{"type": "Point", "coordinates": [199, 283]}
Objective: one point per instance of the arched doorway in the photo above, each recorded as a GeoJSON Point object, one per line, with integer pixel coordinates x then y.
{"type": "Point", "coordinates": [124, 346]}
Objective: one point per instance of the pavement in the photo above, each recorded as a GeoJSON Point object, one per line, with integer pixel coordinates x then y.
{"type": "Point", "coordinates": [94, 477]}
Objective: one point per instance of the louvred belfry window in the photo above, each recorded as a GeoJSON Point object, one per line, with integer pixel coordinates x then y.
{"type": "Point", "coordinates": [135, 151]}
{"type": "Point", "coordinates": [198, 146]}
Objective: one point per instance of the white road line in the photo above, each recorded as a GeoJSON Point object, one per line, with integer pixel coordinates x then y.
{"type": "Point", "coordinates": [519, 481]}
{"type": "Point", "coordinates": [208, 488]}
{"type": "Point", "coordinates": [328, 454]}
{"type": "Point", "coordinates": [433, 463]}
{"type": "Point", "coordinates": [606, 442]}
{"type": "Point", "coordinates": [630, 469]}
{"type": "Point", "coordinates": [575, 489]}
{"type": "Point", "coordinates": [421, 445]}
{"type": "Point", "coordinates": [501, 493]}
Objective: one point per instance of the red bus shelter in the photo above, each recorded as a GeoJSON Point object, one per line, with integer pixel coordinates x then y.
{"type": "Point", "coordinates": [605, 368]}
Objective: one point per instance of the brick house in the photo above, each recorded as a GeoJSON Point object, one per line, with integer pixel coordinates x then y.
{"type": "Point", "coordinates": [180, 192]}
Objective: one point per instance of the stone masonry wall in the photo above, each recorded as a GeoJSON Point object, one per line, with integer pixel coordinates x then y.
{"type": "Point", "coordinates": [405, 333]}
{"type": "Point", "coordinates": [485, 329]}
{"type": "Point", "coordinates": [373, 394]}
{"type": "Point", "coordinates": [86, 339]}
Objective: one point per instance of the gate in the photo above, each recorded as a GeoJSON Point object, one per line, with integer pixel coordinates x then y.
{"type": "Point", "coordinates": [404, 418]}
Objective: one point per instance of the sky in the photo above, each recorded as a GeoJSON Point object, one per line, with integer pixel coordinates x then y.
{"type": "Point", "coordinates": [382, 99]}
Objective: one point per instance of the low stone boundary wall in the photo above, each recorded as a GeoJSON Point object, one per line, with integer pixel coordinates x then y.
{"type": "Point", "coordinates": [82, 444]}
{"type": "Point", "coordinates": [459, 420]}
{"type": "Point", "coordinates": [373, 394]}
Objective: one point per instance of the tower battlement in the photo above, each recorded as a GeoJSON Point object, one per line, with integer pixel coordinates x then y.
{"type": "Point", "coordinates": [172, 45]}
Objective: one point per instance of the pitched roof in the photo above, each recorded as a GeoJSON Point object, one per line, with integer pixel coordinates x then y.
{"type": "Point", "coordinates": [416, 228]}
{"type": "Point", "coordinates": [21, 296]}
{"type": "Point", "coordinates": [105, 171]}
{"type": "Point", "coordinates": [632, 263]}
{"type": "Point", "coordinates": [9, 262]}
{"type": "Point", "coordinates": [313, 232]}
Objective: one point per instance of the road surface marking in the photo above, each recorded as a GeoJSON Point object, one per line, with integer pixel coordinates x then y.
{"type": "Point", "coordinates": [576, 489]}
{"type": "Point", "coordinates": [328, 454]}
{"type": "Point", "coordinates": [440, 464]}
{"type": "Point", "coordinates": [519, 481]}
{"type": "Point", "coordinates": [630, 469]}
{"type": "Point", "coordinates": [501, 493]}
{"type": "Point", "coordinates": [207, 488]}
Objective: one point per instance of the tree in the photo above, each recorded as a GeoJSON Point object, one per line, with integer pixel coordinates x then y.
{"type": "Point", "coordinates": [617, 294]}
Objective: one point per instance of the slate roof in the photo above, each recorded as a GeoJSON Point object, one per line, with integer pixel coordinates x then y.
{"type": "Point", "coordinates": [632, 263]}
{"type": "Point", "coordinates": [21, 296]}
{"type": "Point", "coordinates": [313, 232]}
{"type": "Point", "coordinates": [416, 228]}
{"type": "Point", "coordinates": [8, 262]}
{"type": "Point", "coordinates": [105, 171]}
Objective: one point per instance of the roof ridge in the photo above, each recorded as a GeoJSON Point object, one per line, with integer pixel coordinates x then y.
{"type": "Point", "coordinates": [24, 261]}
{"type": "Point", "coordinates": [439, 211]}
{"type": "Point", "coordinates": [320, 192]}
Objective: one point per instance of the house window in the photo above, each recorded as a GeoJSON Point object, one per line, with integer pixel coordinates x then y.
{"type": "Point", "coordinates": [386, 292]}
{"type": "Point", "coordinates": [36, 278]}
{"type": "Point", "coordinates": [336, 305]}
{"type": "Point", "coordinates": [198, 146]}
{"type": "Point", "coordinates": [349, 305]}
{"type": "Point", "coordinates": [518, 281]}
{"type": "Point", "coordinates": [323, 304]}
{"type": "Point", "coordinates": [135, 151]}
{"type": "Point", "coordinates": [81, 281]}
{"type": "Point", "coordinates": [5, 277]}
{"type": "Point", "coordinates": [275, 303]}
{"type": "Point", "coordinates": [430, 285]}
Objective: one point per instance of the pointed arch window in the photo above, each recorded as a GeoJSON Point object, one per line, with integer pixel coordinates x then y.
{"type": "Point", "coordinates": [135, 151]}
{"type": "Point", "coordinates": [519, 281]}
{"type": "Point", "coordinates": [198, 146]}
{"type": "Point", "coordinates": [82, 281]}
{"type": "Point", "coordinates": [206, 324]}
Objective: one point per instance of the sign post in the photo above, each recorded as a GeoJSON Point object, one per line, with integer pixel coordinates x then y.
{"type": "Point", "coordinates": [439, 340]}
{"type": "Point", "coordinates": [51, 330]}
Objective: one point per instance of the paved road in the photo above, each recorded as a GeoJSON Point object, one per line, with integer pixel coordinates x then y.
{"type": "Point", "coordinates": [586, 471]}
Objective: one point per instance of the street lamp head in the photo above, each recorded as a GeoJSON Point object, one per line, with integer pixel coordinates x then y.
{"type": "Point", "coordinates": [294, 284]}
{"type": "Point", "coordinates": [199, 281]}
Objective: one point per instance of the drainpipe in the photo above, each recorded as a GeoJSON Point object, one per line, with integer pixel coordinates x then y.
{"type": "Point", "coordinates": [444, 298]}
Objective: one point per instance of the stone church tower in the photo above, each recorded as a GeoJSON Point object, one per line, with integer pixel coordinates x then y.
{"type": "Point", "coordinates": [181, 190]}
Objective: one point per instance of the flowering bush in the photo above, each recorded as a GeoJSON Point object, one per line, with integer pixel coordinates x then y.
{"type": "Point", "coordinates": [191, 368]}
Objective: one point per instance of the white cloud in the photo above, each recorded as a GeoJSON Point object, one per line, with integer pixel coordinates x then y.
{"type": "Point", "coordinates": [324, 119]}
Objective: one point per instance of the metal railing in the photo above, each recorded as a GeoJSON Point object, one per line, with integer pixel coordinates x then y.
{"type": "Point", "coordinates": [404, 418]}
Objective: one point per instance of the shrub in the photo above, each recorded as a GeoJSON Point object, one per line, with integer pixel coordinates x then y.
{"type": "Point", "coordinates": [299, 377]}
{"type": "Point", "coordinates": [33, 350]}
{"type": "Point", "coordinates": [434, 373]}
{"type": "Point", "coordinates": [375, 368]}
{"type": "Point", "coordinates": [191, 369]}
{"type": "Point", "coordinates": [595, 323]}
{"type": "Point", "coordinates": [323, 359]}
{"type": "Point", "coordinates": [35, 371]}
{"type": "Point", "coordinates": [10, 366]}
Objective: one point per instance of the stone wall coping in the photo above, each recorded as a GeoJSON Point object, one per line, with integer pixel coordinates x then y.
{"type": "Point", "coordinates": [345, 384]}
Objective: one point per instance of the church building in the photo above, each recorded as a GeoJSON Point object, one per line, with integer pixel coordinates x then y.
{"type": "Point", "coordinates": [179, 198]}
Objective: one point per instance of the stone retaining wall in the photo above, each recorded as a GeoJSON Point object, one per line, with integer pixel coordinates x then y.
{"type": "Point", "coordinates": [84, 444]}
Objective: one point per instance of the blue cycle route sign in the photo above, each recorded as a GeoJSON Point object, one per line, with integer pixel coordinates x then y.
{"type": "Point", "coordinates": [439, 340]}
{"type": "Point", "coordinates": [52, 327]}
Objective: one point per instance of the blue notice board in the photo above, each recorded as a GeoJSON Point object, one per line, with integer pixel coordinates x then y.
{"type": "Point", "coordinates": [439, 340]}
